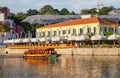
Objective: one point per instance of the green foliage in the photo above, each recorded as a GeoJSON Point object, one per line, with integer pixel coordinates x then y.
{"type": "Point", "coordinates": [27, 27]}
{"type": "Point", "coordinates": [21, 16]}
{"type": "Point", "coordinates": [93, 11]}
{"type": "Point", "coordinates": [56, 11]}
{"type": "Point", "coordinates": [18, 17]}
{"type": "Point", "coordinates": [90, 34]}
{"type": "Point", "coordinates": [64, 11]}
{"type": "Point", "coordinates": [47, 9]}
{"type": "Point", "coordinates": [72, 13]}
{"type": "Point", "coordinates": [83, 44]}
{"type": "Point", "coordinates": [105, 10]}
{"type": "Point", "coordinates": [12, 15]}
{"type": "Point", "coordinates": [32, 12]}
{"type": "Point", "coordinates": [4, 27]}
{"type": "Point", "coordinates": [108, 33]}
{"type": "Point", "coordinates": [85, 11]}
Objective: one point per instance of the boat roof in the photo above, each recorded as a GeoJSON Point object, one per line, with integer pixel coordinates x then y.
{"type": "Point", "coordinates": [41, 49]}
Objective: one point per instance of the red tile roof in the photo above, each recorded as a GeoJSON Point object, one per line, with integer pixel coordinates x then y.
{"type": "Point", "coordinates": [82, 21]}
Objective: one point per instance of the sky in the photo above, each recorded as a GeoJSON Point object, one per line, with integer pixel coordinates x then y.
{"type": "Point", "coordinates": [16, 6]}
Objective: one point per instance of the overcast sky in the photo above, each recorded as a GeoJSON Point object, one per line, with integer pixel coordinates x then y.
{"type": "Point", "coordinates": [16, 6]}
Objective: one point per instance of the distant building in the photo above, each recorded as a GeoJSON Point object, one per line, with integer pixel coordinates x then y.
{"type": "Point", "coordinates": [6, 12]}
{"type": "Point", "coordinates": [85, 25]}
{"type": "Point", "coordinates": [12, 33]}
{"type": "Point", "coordinates": [113, 17]}
{"type": "Point", "coordinates": [4, 18]}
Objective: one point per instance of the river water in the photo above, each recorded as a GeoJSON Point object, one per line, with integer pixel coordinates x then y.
{"type": "Point", "coordinates": [66, 66]}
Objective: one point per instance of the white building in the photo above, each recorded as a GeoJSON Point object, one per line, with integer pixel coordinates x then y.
{"type": "Point", "coordinates": [7, 35]}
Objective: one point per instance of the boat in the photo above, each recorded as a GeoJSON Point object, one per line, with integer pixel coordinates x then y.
{"type": "Point", "coordinates": [42, 53]}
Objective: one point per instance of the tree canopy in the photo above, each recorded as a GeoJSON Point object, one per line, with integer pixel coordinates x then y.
{"type": "Point", "coordinates": [105, 10]}
{"type": "Point", "coordinates": [47, 9]}
{"type": "Point", "coordinates": [102, 11]}
{"type": "Point", "coordinates": [64, 11]}
{"type": "Point", "coordinates": [32, 12]}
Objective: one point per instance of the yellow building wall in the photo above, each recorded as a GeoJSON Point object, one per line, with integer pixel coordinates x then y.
{"type": "Point", "coordinates": [71, 27]}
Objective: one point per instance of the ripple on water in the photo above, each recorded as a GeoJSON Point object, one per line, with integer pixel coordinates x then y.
{"type": "Point", "coordinates": [65, 67]}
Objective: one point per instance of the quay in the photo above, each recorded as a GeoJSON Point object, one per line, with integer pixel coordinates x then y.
{"type": "Point", "coordinates": [74, 51]}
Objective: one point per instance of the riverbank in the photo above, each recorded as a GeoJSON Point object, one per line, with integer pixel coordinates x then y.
{"type": "Point", "coordinates": [76, 51]}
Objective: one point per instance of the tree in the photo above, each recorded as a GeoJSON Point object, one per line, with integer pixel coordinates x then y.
{"type": "Point", "coordinates": [21, 16]}
{"type": "Point", "coordinates": [64, 11]}
{"type": "Point", "coordinates": [105, 10]}
{"type": "Point", "coordinates": [85, 11]}
{"type": "Point", "coordinates": [32, 12]}
{"type": "Point", "coordinates": [47, 9]}
{"type": "Point", "coordinates": [27, 27]}
{"type": "Point", "coordinates": [93, 11]}
{"type": "Point", "coordinates": [56, 11]}
{"type": "Point", "coordinates": [34, 27]}
{"type": "Point", "coordinates": [12, 15]}
{"type": "Point", "coordinates": [73, 13]}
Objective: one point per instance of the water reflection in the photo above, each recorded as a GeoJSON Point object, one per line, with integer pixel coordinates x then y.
{"type": "Point", "coordinates": [65, 67]}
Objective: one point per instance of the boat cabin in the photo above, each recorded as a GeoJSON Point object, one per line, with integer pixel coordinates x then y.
{"type": "Point", "coordinates": [42, 52]}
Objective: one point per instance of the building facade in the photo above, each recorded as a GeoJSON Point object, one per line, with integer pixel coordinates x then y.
{"type": "Point", "coordinates": [5, 11]}
{"type": "Point", "coordinates": [82, 26]}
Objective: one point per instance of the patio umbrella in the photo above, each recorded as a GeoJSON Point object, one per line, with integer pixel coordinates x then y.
{"type": "Point", "coordinates": [64, 37]}
{"type": "Point", "coordinates": [58, 38]}
{"type": "Point", "coordinates": [17, 40]}
{"type": "Point", "coordinates": [45, 39]}
{"type": "Point", "coordinates": [98, 37]}
{"type": "Point", "coordinates": [71, 38]}
{"type": "Point", "coordinates": [113, 37]}
{"type": "Point", "coordinates": [26, 40]}
{"type": "Point", "coordinates": [82, 38]}
{"type": "Point", "coordinates": [34, 39]}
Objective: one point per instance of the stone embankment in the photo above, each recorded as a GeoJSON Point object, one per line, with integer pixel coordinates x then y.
{"type": "Point", "coordinates": [79, 51]}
